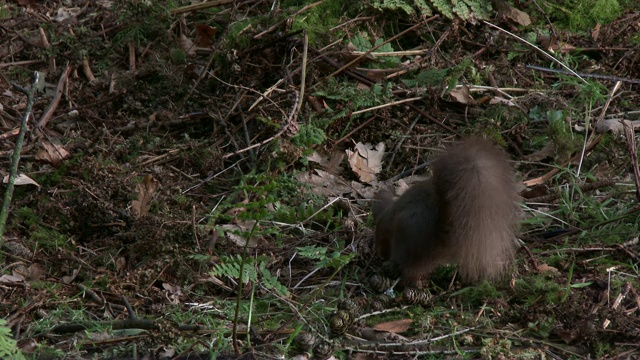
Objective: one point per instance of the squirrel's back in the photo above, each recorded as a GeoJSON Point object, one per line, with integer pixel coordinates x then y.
{"type": "Point", "coordinates": [465, 214]}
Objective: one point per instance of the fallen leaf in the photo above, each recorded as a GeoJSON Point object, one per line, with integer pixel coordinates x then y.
{"type": "Point", "coordinates": [545, 152]}
{"type": "Point", "coordinates": [145, 192]}
{"type": "Point", "coordinates": [52, 153]}
{"type": "Point", "coordinates": [462, 95]}
{"type": "Point", "coordinates": [509, 12]}
{"type": "Point", "coordinates": [231, 232]}
{"type": "Point", "coordinates": [396, 326]}
{"type": "Point", "coordinates": [205, 34]}
{"type": "Point", "coordinates": [596, 32]}
{"type": "Point", "coordinates": [366, 161]}
{"type": "Point", "coordinates": [546, 269]}
{"type": "Point", "coordinates": [21, 179]}
{"type": "Point", "coordinates": [324, 183]}
{"type": "Point", "coordinates": [614, 126]}
{"type": "Point", "coordinates": [372, 334]}
{"type": "Point", "coordinates": [12, 279]}
{"type": "Point", "coordinates": [69, 279]}
{"type": "Point", "coordinates": [187, 45]}
{"type": "Point", "coordinates": [331, 164]}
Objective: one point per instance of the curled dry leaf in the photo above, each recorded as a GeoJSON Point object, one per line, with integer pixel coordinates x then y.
{"type": "Point", "coordinates": [324, 183]}
{"type": "Point", "coordinates": [614, 126]}
{"type": "Point", "coordinates": [507, 11]}
{"type": "Point", "coordinates": [52, 153]}
{"type": "Point", "coordinates": [331, 164]}
{"type": "Point", "coordinates": [372, 334]}
{"type": "Point", "coordinates": [231, 232]}
{"type": "Point", "coordinates": [397, 326]}
{"type": "Point", "coordinates": [11, 279]}
{"type": "Point", "coordinates": [145, 192]}
{"type": "Point", "coordinates": [68, 279]}
{"type": "Point", "coordinates": [21, 179]}
{"type": "Point", "coordinates": [462, 95]}
{"type": "Point", "coordinates": [187, 45]}
{"type": "Point", "coordinates": [546, 269]}
{"type": "Point", "coordinates": [366, 161]}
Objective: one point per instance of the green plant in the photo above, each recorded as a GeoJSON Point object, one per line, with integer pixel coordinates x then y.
{"type": "Point", "coordinates": [463, 9]}
{"type": "Point", "coordinates": [8, 346]}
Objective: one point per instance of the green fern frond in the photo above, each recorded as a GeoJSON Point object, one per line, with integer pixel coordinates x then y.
{"type": "Point", "coordinates": [271, 282]}
{"type": "Point", "coordinates": [461, 9]}
{"type": "Point", "coordinates": [394, 5]}
{"type": "Point", "coordinates": [445, 7]}
{"type": "Point", "coordinates": [8, 346]}
{"type": "Point", "coordinates": [481, 9]}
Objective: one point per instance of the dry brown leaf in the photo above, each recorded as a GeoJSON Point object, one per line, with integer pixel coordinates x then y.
{"type": "Point", "coordinates": [366, 161]}
{"type": "Point", "coordinates": [187, 45]}
{"type": "Point", "coordinates": [462, 95]}
{"type": "Point", "coordinates": [614, 126]}
{"type": "Point", "coordinates": [34, 272]}
{"type": "Point", "coordinates": [545, 152]}
{"type": "Point", "coordinates": [561, 47]}
{"type": "Point", "coordinates": [145, 192]}
{"type": "Point", "coordinates": [509, 12]}
{"type": "Point", "coordinates": [331, 164]}
{"type": "Point", "coordinates": [240, 226]}
{"type": "Point", "coordinates": [11, 279]}
{"type": "Point", "coordinates": [70, 278]}
{"type": "Point", "coordinates": [324, 183]}
{"type": "Point", "coordinates": [21, 179]}
{"type": "Point", "coordinates": [596, 32]}
{"type": "Point", "coordinates": [396, 326]}
{"type": "Point", "coordinates": [205, 34]}
{"type": "Point", "coordinates": [547, 269]}
{"type": "Point", "coordinates": [52, 153]}
{"type": "Point", "coordinates": [372, 334]}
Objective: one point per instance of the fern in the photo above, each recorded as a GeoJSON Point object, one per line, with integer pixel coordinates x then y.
{"type": "Point", "coordinates": [271, 282]}
{"type": "Point", "coordinates": [467, 10]}
{"type": "Point", "coordinates": [230, 266]}
{"type": "Point", "coordinates": [461, 9]}
{"type": "Point", "coordinates": [8, 346]}
{"type": "Point", "coordinates": [394, 5]}
{"type": "Point", "coordinates": [444, 6]}
{"type": "Point", "coordinates": [334, 260]}
{"type": "Point", "coordinates": [255, 269]}
{"type": "Point", "coordinates": [481, 9]}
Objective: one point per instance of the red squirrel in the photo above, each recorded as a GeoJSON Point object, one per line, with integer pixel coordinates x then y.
{"type": "Point", "coordinates": [466, 214]}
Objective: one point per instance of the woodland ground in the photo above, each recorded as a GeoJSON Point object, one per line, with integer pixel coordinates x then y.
{"type": "Point", "coordinates": [176, 147]}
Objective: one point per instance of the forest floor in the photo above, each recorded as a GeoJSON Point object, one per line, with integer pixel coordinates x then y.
{"type": "Point", "coordinates": [172, 149]}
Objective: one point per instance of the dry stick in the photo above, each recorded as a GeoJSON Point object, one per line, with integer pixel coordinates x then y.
{"type": "Point", "coordinates": [586, 75]}
{"type": "Point", "coordinates": [303, 80]}
{"type": "Point", "coordinates": [379, 46]}
{"type": "Point", "coordinates": [292, 116]}
{"type": "Point", "coordinates": [15, 157]}
{"type": "Point", "coordinates": [268, 338]}
{"type": "Point", "coordinates": [44, 119]}
{"type": "Point", "coordinates": [631, 146]}
{"type": "Point", "coordinates": [279, 23]}
{"type": "Point", "coordinates": [132, 56]}
{"type": "Point", "coordinates": [538, 49]}
{"type": "Point", "coordinates": [200, 6]}
{"type": "Point", "coordinates": [600, 117]}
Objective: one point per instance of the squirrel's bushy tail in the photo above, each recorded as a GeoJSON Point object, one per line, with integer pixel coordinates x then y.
{"type": "Point", "coordinates": [479, 200]}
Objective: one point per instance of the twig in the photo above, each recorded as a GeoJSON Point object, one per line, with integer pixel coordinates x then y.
{"type": "Point", "coordinates": [44, 119]}
{"type": "Point", "coordinates": [15, 157]}
{"type": "Point", "coordinates": [279, 23]}
{"type": "Point", "coordinates": [538, 49]}
{"type": "Point", "coordinates": [393, 38]}
{"type": "Point", "coordinates": [633, 154]}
